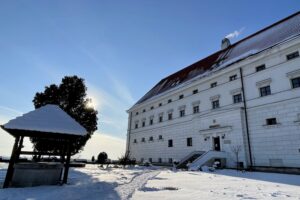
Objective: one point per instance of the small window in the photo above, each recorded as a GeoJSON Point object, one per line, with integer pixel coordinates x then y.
{"type": "Point", "coordinates": [265, 91]}
{"type": "Point", "coordinates": [142, 160]}
{"type": "Point", "coordinates": [170, 100]}
{"type": "Point", "coordinates": [181, 113]}
{"type": "Point", "coordinates": [159, 160]}
{"type": "Point", "coordinates": [135, 141]}
{"type": "Point", "coordinates": [213, 85]}
{"type": "Point", "coordinates": [181, 96]}
{"type": "Point", "coordinates": [160, 137]}
{"type": "Point", "coordinates": [160, 119]}
{"type": "Point", "coordinates": [195, 91]}
{"type": "Point", "coordinates": [151, 138]}
{"type": "Point", "coordinates": [295, 82]}
{"type": "Point", "coordinates": [237, 98]}
{"type": "Point", "coordinates": [151, 122]}
{"type": "Point", "coordinates": [215, 104]}
{"type": "Point", "coordinates": [171, 160]}
{"type": "Point", "coordinates": [271, 121]}
{"type": "Point", "coordinates": [260, 68]}
{"type": "Point", "coordinates": [137, 113]}
{"type": "Point", "coordinates": [143, 140]}
{"type": "Point", "coordinates": [196, 109]}
{"type": "Point", "coordinates": [150, 160]}
{"type": "Point", "coordinates": [170, 143]}
{"type": "Point", "coordinates": [292, 55]}
{"type": "Point", "coordinates": [189, 142]}
{"type": "Point", "coordinates": [170, 116]}
{"type": "Point", "coordinates": [233, 77]}
{"type": "Point", "coordinates": [136, 125]}
{"type": "Point", "coordinates": [152, 108]}
{"type": "Point", "coordinates": [160, 104]}
{"type": "Point", "coordinates": [144, 110]}
{"type": "Point", "coordinates": [143, 124]}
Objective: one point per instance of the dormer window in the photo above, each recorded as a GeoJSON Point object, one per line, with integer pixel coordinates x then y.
{"type": "Point", "coordinates": [260, 68]}
{"type": "Point", "coordinates": [292, 55]}
{"type": "Point", "coordinates": [212, 85]}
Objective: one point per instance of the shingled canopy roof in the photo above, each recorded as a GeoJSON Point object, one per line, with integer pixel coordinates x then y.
{"type": "Point", "coordinates": [266, 38]}
{"type": "Point", "coordinates": [45, 121]}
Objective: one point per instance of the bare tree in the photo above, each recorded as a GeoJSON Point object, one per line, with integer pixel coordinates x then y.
{"type": "Point", "coordinates": [236, 149]}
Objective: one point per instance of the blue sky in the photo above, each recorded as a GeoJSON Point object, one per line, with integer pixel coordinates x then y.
{"type": "Point", "coordinates": [121, 48]}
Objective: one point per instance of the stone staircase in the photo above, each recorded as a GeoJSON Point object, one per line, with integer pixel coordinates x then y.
{"type": "Point", "coordinates": [189, 159]}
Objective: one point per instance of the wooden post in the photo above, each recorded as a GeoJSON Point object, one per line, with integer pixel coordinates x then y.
{"type": "Point", "coordinates": [67, 166]}
{"type": "Point", "coordinates": [13, 157]}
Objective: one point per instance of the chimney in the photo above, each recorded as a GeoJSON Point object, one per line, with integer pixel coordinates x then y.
{"type": "Point", "coordinates": [225, 43]}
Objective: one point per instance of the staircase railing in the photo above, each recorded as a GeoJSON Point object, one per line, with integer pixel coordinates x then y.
{"type": "Point", "coordinates": [189, 156]}
{"type": "Point", "coordinates": [207, 156]}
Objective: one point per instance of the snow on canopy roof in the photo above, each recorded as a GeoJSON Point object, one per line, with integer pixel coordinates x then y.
{"type": "Point", "coordinates": [274, 34]}
{"type": "Point", "coordinates": [50, 119]}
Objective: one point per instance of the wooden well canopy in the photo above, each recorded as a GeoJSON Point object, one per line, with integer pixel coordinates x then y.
{"type": "Point", "coordinates": [47, 122]}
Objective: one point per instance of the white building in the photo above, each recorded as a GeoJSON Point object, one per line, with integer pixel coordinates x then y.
{"type": "Point", "coordinates": [246, 95]}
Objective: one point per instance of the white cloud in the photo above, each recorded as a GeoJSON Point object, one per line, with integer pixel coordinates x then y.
{"type": "Point", "coordinates": [235, 33]}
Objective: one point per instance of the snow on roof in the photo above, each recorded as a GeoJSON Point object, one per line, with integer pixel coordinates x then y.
{"type": "Point", "coordinates": [268, 37]}
{"type": "Point", "coordinates": [49, 118]}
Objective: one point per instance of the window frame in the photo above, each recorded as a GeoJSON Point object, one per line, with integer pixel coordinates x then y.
{"type": "Point", "coordinates": [196, 109]}
{"type": "Point", "coordinates": [271, 121]}
{"type": "Point", "coordinates": [260, 68]}
{"type": "Point", "coordinates": [233, 77]}
{"type": "Point", "coordinates": [189, 142]}
{"type": "Point", "coordinates": [215, 104]}
{"type": "Point", "coordinates": [182, 113]}
{"type": "Point", "coordinates": [292, 55]}
{"type": "Point", "coordinates": [237, 98]}
{"type": "Point", "coordinates": [170, 143]}
{"type": "Point", "coordinates": [214, 84]}
{"type": "Point", "coordinates": [263, 91]}
{"type": "Point", "coordinates": [297, 83]}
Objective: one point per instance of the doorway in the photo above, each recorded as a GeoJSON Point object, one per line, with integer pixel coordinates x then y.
{"type": "Point", "coordinates": [216, 144]}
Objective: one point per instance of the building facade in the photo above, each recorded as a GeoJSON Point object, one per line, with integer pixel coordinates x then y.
{"type": "Point", "coordinates": [244, 98]}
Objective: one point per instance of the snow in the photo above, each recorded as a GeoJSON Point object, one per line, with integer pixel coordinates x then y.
{"type": "Point", "coordinates": [158, 183]}
{"type": "Point", "coordinates": [49, 118]}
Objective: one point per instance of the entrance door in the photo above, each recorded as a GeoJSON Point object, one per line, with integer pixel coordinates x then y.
{"type": "Point", "coordinates": [216, 143]}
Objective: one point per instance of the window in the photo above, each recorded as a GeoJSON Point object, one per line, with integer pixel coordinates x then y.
{"type": "Point", "coordinates": [181, 113]}
{"type": "Point", "coordinates": [143, 140]}
{"type": "Point", "coordinates": [171, 160]}
{"type": "Point", "coordinates": [237, 98]}
{"type": "Point", "coordinates": [150, 160]}
{"type": "Point", "coordinates": [143, 124]}
{"type": "Point", "coordinates": [181, 96]}
{"type": "Point", "coordinates": [135, 141]}
{"type": "Point", "coordinates": [159, 160]}
{"type": "Point", "coordinates": [160, 137]}
{"type": "Point", "coordinates": [189, 142]}
{"type": "Point", "coordinates": [215, 104]}
{"type": "Point", "coordinates": [233, 77]}
{"type": "Point", "coordinates": [271, 121]}
{"type": "Point", "coordinates": [137, 113]}
{"type": "Point", "coordinates": [196, 109]}
{"type": "Point", "coordinates": [295, 82]}
{"type": "Point", "coordinates": [151, 122]}
{"type": "Point", "coordinates": [170, 116]}
{"type": "Point", "coordinates": [170, 100]}
{"type": "Point", "coordinates": [265, 91]}
{"type": "Point", "coordinates": [142, 160]}
{"type": "Point", "coordinates": [151, 138]}
{"type": "Point", "coordinates": [195, 91]}
{"type": "Point", "coordinates": [160, 104]}
{"type": "Point", "coordinates": [170, 143]}
{"type": "Point", "coordinates": [144, 110]}
{"type": "Point", "coordinates": [260, 68]}
{"type": "Point", "coordinates": [152, 108]}
{"type": "Point", "coordinates": [213, 85]}
{"type": "Point", "coordinates": [136, 125]}
{"type": "Point", "coordinates": [160, 119]}
{"type": "Point", "coordinates": [292, 55]}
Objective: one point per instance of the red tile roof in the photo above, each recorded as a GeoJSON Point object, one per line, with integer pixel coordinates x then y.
{"type": "Point", "coordinates": [268, 37]}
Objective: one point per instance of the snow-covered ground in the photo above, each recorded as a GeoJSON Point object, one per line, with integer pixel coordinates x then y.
{"type": "Point", "coordinates": [153, 183]}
